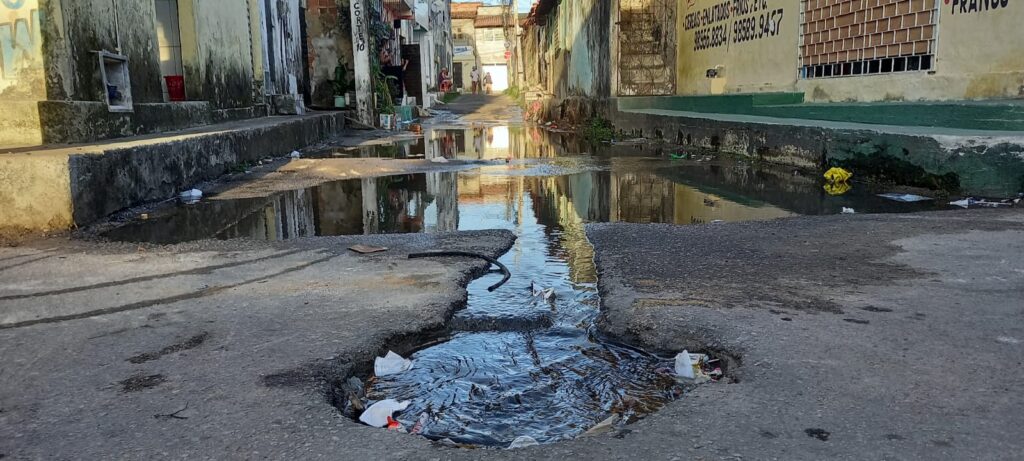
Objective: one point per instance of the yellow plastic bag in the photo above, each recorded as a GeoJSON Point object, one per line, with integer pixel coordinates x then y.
{"type": "Point", "coordinates": [838, 188]}
{"type": "Point", "coordinates": [837, 175]}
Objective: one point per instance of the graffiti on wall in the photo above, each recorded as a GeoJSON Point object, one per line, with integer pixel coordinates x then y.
{"type": "Point", "coordinates": [750, 20]}
{"type": "Point", "coordinates": [20, 38]}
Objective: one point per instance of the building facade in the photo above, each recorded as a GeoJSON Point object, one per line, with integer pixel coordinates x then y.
{"type": "Point", "coordinates": [825, 50]}
{"type": "Point", "coordinates": [84, 70]}
{"type": "Point", "coordinates": [466, 55]}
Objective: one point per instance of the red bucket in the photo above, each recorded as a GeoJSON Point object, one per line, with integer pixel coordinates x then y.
{"type": "Point", "coordinates": [175, 87]}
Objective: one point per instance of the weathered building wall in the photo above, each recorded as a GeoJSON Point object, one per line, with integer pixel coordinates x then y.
{"type": "Point", "coordinates": [745, 62]}
{"type": "Point", "coordinates": [223, 63]}
{"type": "Point", "coordinates": [978, 56]}
{"type": "Point", "coordinates": [330, 45]}
{"type": "Point", "coordinates": [222, 73]}
{"type": "Point", "coordinates": [284, 67]}
{"type": "Point", "coordinates": [466, 50]}
{"type": "Point", "coordinates": [21, 73]}
{"type": "Point", "coordinates": [571, 50]}
{"type": "Point", "coordinates": [759, 46]}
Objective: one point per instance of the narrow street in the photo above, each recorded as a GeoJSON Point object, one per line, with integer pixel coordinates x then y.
{"type": "Point", "coordinates": [828, 331]}
{"type": "Point", "coordinates": [511, 230]}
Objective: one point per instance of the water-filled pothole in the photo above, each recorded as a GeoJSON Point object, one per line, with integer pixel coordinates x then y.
{"type": "Point", "coordinates": [514, 365]}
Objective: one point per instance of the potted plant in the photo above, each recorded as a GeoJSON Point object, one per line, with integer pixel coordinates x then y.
{"type": "Point", "coordinates": [342, 86]}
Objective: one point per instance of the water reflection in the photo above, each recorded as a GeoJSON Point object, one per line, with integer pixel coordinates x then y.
{"type": "Point", "coordinates": [614, 189]}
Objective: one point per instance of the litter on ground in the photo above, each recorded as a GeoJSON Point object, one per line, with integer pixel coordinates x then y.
{"type": "Point", "coordinates": [366, 249]}
{"type": "Point", "coordinates": [523, 441]}
{"type": "Point", "coordinates": [539, 292]}
{"type": "Point", "coordinates": [379, 413]}
{"type": "Point", "coordinates": [837, 175]}
{"type": "Point", "coordinates": [905, 197]}
{"type": "Point", "coordinates": [604, 426]}
{"type": "Point", "coordinates": [191, 195]}
{"type": "Point", "coordinates": [699, 367]}
{"type": "Point", "coordinates": [390, 364]}
{"type": "Point", "coordinates": [848, 210]}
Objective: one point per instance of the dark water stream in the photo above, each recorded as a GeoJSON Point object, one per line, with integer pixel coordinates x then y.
{"type": "Point", "coordinates": [517, 365]}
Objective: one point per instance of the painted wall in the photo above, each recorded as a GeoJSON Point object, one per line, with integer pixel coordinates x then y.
{"type": "Point", "coordinates": [21, 72]}
{"type": "Point", "coordinates": [977, 56]}
{"type": "Point", "coordinates": [726, 35]}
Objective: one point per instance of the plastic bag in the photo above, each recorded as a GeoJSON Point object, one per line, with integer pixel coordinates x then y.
{"type": "Point", "coordinates": [684, 366]}
{"type": "Point", "coordinates": [837, 175]}
{"type": "Point", "coordinates": [905, 197]}
{"type": "Point", "coordinates": [379, 413]}
{"type": "Point", "coordinates": [390, 364]}
{"type": "Point", "coordinates": [523, 441]}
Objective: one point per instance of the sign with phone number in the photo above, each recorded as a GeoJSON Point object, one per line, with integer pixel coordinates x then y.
{"type": "Point", "coordinates": [751, 20]}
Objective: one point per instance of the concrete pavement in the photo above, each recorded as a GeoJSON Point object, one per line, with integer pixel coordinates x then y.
{"type": "Point", "coordinates": [859, 336]}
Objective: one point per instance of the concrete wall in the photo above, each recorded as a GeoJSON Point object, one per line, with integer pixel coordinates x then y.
{"type": "Point", "coordinates": [330, 42]}
{"type": "Point", "coordinates": [58, 92]}
{"type": "Point", "coordinates": [573, 50]}
{"type": "Point", "coordinates": [285, 65]}
{"type": "Point", "coordinates": [223, 64]}
{"type": "Point", "coordinates": [21, 73]}
{"type": "Point", "coordinates": [706, 40]}
{"type": "Point", "coordinates": [977, 54]}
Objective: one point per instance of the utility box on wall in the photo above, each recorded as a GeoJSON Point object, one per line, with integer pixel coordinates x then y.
{"type": "Point", "coordinates": [117, 88]}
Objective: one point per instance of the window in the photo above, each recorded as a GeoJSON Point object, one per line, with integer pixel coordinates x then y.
{"type": "Point", "coordinates": [841, 38]}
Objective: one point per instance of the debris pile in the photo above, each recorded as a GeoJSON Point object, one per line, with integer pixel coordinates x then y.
{"type": "Point", "coordinates": [700, 368]}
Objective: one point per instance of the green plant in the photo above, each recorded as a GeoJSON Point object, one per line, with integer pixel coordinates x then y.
{"type": "Point", "coordinates": [517, 94]}
{"type": "Point", "coordinates": [383, 91]}
{"type": "Point", "coordinates": [598, 130]}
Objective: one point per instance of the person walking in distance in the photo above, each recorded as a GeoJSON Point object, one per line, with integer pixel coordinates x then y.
{"type": "Point", "coordinates": [474, 76]}
{"type": "Point", "coordinates": [488, 82]}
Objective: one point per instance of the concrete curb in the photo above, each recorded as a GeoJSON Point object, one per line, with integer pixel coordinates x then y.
{"type": "Point", "coordinates": [56, 189]}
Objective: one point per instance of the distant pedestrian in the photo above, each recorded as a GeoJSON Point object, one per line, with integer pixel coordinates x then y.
{"type": "Point", "coordinates": [488, 82]}
{"type": "Point", "coordinates": [444, 81]}
{"type": "Point", "coordinates": [474, 76]}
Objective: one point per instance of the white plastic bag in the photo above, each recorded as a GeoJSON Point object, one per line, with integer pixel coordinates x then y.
{"type": "Point", "coordinates": [684, 366]}
{"type": "Point", "coordinates": [523, 441]}
{"type": "Point", "coordinates": [390, 364]}
{"type": "Point", "coordinates": [192, 194]}
{"type": "Point", "coordinates": [295, 154]}
{"type": "Point", "coordinates": [377, 415]}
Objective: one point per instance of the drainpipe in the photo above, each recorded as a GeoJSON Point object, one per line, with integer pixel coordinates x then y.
{"type": "Point", "coordinates": [117, 26]}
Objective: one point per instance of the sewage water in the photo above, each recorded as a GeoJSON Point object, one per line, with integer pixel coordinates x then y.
{"type": "Point", "coordinates": [516, 364]}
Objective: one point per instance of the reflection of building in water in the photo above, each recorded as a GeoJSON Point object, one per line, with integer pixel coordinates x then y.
{"type": "Point", "coordinates": [393, 204]}
{"type": "Point", "coordinates": [284, 216]}
{"type": "Point", "coordinates": [443, 214]}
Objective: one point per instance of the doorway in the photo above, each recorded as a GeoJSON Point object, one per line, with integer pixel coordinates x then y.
{"type": "Point", "coordinates": [168, 36]}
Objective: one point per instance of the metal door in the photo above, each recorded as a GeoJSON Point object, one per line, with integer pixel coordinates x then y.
{"type": "Point", "coordinates": [647, 47]}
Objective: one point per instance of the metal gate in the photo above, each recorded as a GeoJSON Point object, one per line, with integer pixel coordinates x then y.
{"type": "Point", "coordinates": [647, 47]}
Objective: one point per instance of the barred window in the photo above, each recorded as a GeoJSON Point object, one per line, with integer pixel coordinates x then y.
{"type": "Point", "coordinates": [862, 37]}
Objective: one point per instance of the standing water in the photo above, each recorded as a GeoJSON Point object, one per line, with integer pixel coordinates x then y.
{"type": "Point", "coordinates": [518, 364]}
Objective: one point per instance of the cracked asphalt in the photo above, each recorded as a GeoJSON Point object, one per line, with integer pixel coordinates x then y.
{"type": "Point", "coordinates": [853, 337]}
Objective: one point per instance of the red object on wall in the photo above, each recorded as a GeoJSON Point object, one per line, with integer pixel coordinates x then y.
{"type": "Point", "coordinates": [508, 55]}
{"type": "Point", "coordinates": [175, 87]}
